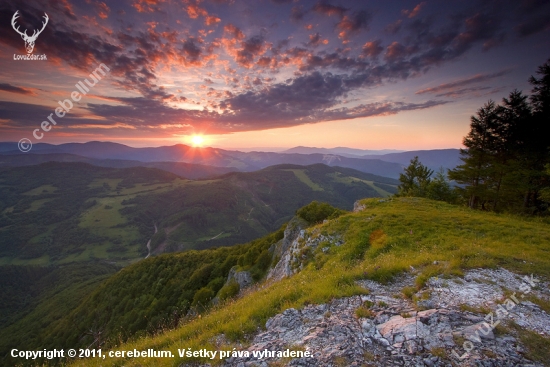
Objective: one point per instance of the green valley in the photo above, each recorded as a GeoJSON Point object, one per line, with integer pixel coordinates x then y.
{"type": "Point", "coordinates": [58, 213]}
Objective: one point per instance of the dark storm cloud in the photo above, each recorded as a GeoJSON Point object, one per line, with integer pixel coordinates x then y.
{"type": "Point", "coordinates": [24, 114]}
{"type": "Point", "coordinates": [301, 95]}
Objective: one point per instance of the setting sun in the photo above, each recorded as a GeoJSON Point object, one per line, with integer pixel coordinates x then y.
{"type": "Point", "coordinates": [197, 140]}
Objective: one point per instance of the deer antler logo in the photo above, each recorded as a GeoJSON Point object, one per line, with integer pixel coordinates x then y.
{"type": "Point", "coordinates": [29, 40]}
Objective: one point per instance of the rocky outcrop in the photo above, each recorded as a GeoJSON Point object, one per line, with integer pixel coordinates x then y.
{"type": "Point", "coordinates": [243, 278]}
{"type": "Point", "coordinates": [393, 332]}
{"type": "Point", "coordinates": [358, 207]}
{"type": "Point", "coordinates": [283, 249]}
{"type": "Point", "coordinates": [450, 322]}
{"type": "Point", "coordinates": [292, 250]}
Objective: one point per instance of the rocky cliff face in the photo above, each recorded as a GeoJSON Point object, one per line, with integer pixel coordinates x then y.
{"type": "Point", "coordinates": [293, 249]}
{"type": "Point", "coordinates": [285, 250]}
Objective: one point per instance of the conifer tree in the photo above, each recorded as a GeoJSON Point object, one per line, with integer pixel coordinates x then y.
{"type": "Point", "coordinates": [507, 150]}
{"type": "Point", "coordinates": [475, 173]}
{"type": "Point", "coordinates": [415, 179]}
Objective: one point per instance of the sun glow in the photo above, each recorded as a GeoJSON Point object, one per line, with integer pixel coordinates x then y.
{"type": "Point", "coordinates": [197, 140]}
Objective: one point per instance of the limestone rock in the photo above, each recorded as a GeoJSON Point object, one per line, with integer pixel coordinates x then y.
{"type": "Point", "coordinates": [399, 335]}
{"type": "Point", "coordinates": [243, 278]}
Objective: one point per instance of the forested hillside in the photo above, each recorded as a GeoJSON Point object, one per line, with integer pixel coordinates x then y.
{"type": "Point", "coordinates": [152, 295]}
{"type": "Point", "coordinates": [57, 213]}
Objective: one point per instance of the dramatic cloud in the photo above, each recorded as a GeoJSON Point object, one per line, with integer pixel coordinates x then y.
{"type": "Point", "coordinates": [377, 109]}
{"type": "Point", "coordinates": [230, 66]}
{"type": "Point", "coordinates": [191, 50]}
{"type": "Point", "coordinates": [306, 99]}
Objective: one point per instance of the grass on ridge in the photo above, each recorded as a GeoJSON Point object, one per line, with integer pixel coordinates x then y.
{"type": "Point", "coordinates": [384, 240]}
{"type": "Point", "coordinates": [302, 176]}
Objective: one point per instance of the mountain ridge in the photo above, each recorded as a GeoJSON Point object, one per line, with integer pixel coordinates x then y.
{"type": "Point", "coordinates": [389, 165]}
{"type": "Point", "coordinates": [343, 151]}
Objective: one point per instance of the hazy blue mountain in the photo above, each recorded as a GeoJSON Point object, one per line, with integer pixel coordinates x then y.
{"type": "Point", "coordinates": [343, 151]}
{"type": "Point", "coordinates": [187, 170]}
{"type": "Point", "coordinates": [242, 161]}
{"type": "Point", "coordinates": [446, 158]}
{"type": "Point", "coordinates": [388, 165]}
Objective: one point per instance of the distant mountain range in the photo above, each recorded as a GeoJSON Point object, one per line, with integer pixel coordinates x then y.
{"type": "Point", "coordinates": [182, 169]}
{"type": "Point", "coordinates": [342, 151]}
{"type": "Point", "coordinates": [176, 158]}
{"type": "Point", "coordinates": [434, 159]}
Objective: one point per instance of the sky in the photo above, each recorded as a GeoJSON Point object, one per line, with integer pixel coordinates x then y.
{"type": "Point", "coordinates": [268, 74]}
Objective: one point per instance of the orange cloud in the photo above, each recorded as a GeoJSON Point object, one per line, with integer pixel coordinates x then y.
{"type": "Point", "coordinates": [234, 31]}
{"type": "Point", "coordinates": [372, 49]}
{"type": "Point", "coordinates": [413, 13]}
{"type": "Point", "coordinates": [103, 10]}
{"type": "Point", "coordinates": [193, 10]}
{"type": "Point", "coordinates": [147, 6]}
{"type": "Point", "coordinates": [211, 20]}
